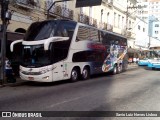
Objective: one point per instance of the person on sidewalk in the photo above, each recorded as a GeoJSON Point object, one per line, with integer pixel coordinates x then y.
{"type": "Point", "coordinates": [137, 60]}
{"type": "Point", "coordinates": [130, 60]}
{"type": "Point", "coordinates": [9, 72]}
{"type": "Point", "coordinates": [134, 60]}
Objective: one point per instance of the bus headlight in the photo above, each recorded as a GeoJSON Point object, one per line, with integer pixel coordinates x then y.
{"type": "Point", "coordinates": [46, 78]}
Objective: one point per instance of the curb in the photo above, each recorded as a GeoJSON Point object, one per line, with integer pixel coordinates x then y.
{"type": "Point", "coordinates": [19, 82]}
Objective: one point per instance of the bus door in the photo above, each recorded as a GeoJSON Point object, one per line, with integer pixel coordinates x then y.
{"type": "Point", "coordinates": [59, 53]}
{"type": "Point", "coordinates": [58, 71]}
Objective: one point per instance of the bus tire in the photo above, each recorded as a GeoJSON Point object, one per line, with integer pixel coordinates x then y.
{"type": "Point", "coordinates": [74, 75]}
{"type": "Point", "coordinates": [114, 70]}
{"type": "Point", "coordinates": [85, 73]}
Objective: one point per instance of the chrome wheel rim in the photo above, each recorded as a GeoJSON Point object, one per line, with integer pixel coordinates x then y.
{"type": "Point", "coordinates": [74, 75]}
{"type": "Point", "coordinates": [85, 73]}
{"type": "Point", "coordinates": [115, 70]}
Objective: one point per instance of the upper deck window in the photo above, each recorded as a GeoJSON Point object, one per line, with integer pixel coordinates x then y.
{"type": "Point", "coordinates": [87, 33]}
{"type": "Point", "coordinates": [40, 30]}
{"type": "Point", "coordinates": [45, 29]}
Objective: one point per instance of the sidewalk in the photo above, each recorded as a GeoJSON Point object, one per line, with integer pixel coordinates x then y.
{"type": "Point", "coordinates": [132, 66]}
{"type": "Point", "coordinates": [19, 81]}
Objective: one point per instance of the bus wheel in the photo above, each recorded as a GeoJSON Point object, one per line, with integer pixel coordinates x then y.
{"type": "Point", "coordinates": [85, 74]}
{"type": "Point", "coordinates": [74, 75]}
{"type": "Point", "coordinates": [114, 70]}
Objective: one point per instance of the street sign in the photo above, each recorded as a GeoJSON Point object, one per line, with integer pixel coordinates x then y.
{"type": "Point", "coordinates": [86, 3]}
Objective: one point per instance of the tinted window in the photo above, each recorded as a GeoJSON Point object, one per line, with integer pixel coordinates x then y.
{"type": "Point", "coordinates": [40, 30]}
{"type": "Point", "coordinates": [108, 39]}
{"type": "Point", "coordinates": [59, 50]}
{"type": "Point", "coordinates": [35, 56]}
{"type": "Point", "coordinates": [65, 29]}
{"type": "Point", "coordinates": [86, 33]}
{"type": "Point", "coordinates": [89, 56]}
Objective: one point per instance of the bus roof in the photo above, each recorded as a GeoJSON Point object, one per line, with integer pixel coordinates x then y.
{"type": "Point", "coordinates": [82, 24]}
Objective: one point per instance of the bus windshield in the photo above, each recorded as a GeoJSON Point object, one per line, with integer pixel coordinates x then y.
{"type": "Point", "coordinates": [152, 54]}
{"type": "Point", "coordinates": [44, 30]}
{"type": "Point", "coordinates": [41, 30]}
{"type": "Point", "coordinates": [35, 56]}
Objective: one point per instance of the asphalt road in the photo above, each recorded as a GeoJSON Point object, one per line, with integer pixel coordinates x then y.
{"type": "Point", "coordinates": [134, 90]}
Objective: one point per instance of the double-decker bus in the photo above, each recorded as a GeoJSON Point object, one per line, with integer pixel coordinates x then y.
{"type": "Point", "coordinates": [56, 50]}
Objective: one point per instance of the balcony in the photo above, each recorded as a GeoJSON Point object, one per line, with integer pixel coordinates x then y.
{"type": "Point", "coordinates": [106, 26]}
{"type": "Point", "coordinates": [27, 4]}
{"type": "Point", "coordinates": [67, 13]}
{"type": "Point", "coordinates": [87, 20]}
{"type": "Point", "coordinates": [94, 22]}
{"type": "Point", "coordinates": [57, 10]}
{"type": "Point", "coordinates": [108, 2]}
{"type": "Point", "coordinates": [103, 26]}
{"type": "Point", "coordinates": [126, 33]}
{"type": "Point", "coordinates": [83, 19]}
{"type": "Point", "coordinates": [109, 27]}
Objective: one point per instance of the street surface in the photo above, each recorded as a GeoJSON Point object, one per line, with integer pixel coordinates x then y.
{"type": "Point", "coordinates": [134, 90]}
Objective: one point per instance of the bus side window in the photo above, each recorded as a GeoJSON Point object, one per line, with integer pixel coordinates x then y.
{"type": "Point", "coordinates": [64, 33]}
{"type": "Point", "coordinates": [70, 33]}
{"type": "Point", "coordinates": [83, 33]}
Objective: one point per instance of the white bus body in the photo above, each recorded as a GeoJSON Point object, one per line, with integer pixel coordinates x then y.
{"type": "Point", "coordinates": [71, 50]}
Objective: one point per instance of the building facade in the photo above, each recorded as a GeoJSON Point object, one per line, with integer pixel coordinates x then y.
{"type": "Point", "coordinates": [142, 38]}
{"type": "Point", "coordinates": [112, 15]}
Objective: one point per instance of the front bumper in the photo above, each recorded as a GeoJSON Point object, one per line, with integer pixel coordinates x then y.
{"type": "Point", "coordinates": [37, 78]}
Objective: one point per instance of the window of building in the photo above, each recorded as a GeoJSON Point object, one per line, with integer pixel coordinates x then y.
{"type": "Point", "coordinates": [130, 24]}
{"type": "Point", "coordinates": [156, 25]}
{"type": "Point", "coordinates": [119, 20]}
{"type": "Point", "coordinates": [123, 22]}
{"type": "Point", "coordinates": [115, 19]}
{"type": "Point", "coordinates": [143, 29]}
{"type": "Point", "coordinates": [139, 27]}
{"type": "Point", "coordinates": [156, 32]}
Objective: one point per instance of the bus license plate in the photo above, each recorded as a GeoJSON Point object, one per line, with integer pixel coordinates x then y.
{"type": "Point", "coordinates": [31, 78]}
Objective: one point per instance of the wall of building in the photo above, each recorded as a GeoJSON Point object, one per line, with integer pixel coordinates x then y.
{"type": "Point", "coordinates": [143, 13]}
{"type": "Point", "coordinates": [142, 38]}
{"type": "Point", "coordinates": [114, 15]}
{"type": "Point", "coordinates": [156, 30]}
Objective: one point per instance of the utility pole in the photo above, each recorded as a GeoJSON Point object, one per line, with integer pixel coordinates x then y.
{"type": "Point", "coordinates": [5, 17]}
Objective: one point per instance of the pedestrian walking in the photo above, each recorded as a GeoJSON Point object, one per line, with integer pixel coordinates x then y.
{"type": "Point", "coordinates": [134, 60]}
{"type": "Point", "coordinates": [130, 60]}
{"type": "Point", "coordinates": [9, 72]}
{"type": "Point", "coordinates": [137, 60]}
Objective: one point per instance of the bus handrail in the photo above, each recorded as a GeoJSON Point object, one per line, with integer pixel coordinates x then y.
{"type": "Point", "coordinates": [13, 43]}
{"type": "Point", "coordinates": [54, 39]}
